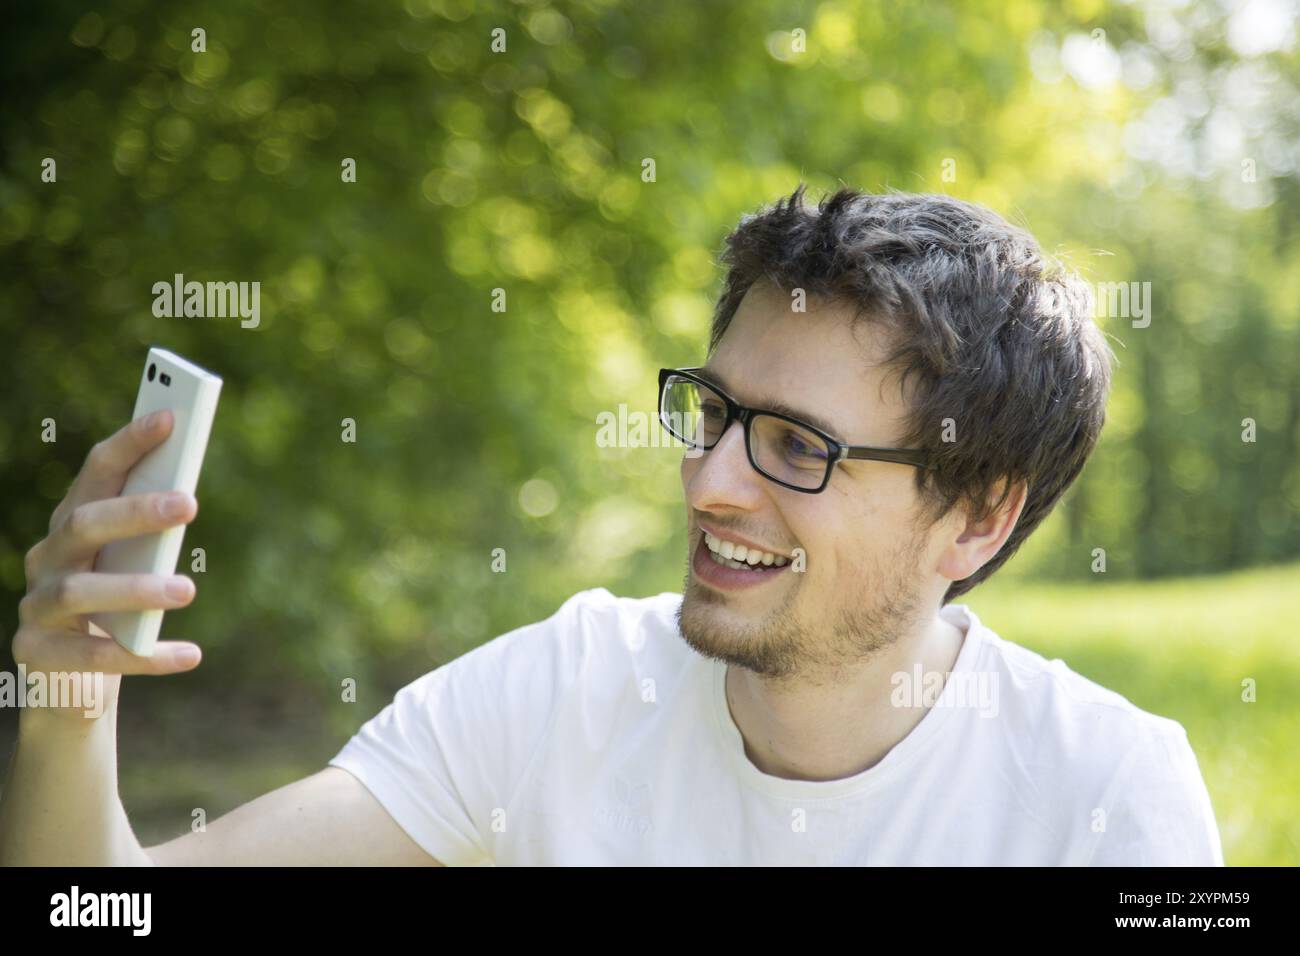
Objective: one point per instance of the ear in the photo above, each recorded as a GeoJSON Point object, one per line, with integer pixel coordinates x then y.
{"type": "Point", "coordinates": [978, 541]}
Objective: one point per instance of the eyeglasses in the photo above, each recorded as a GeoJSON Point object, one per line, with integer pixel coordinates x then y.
{"type": "Point", "coordinates": [792, 453]}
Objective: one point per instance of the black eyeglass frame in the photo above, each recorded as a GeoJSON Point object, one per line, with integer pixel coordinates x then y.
{"type": "Point", "coordinates": [838, 451]}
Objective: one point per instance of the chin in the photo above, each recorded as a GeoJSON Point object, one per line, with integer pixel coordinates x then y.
{"type": "Point", "coordinates": [761, 643]}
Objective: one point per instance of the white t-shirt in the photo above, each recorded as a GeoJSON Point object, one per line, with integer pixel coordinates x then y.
{"type": "Point", "coordinates": [600, 737]}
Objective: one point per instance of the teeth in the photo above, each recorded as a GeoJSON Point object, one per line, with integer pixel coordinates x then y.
{"type": "Point", "coordinates": [735, 565]}
{"type": "Point", "coordinates": [734, 555]}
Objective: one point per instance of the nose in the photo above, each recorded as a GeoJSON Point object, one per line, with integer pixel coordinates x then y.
{"type": "Point", "coordinates": [722, 477]}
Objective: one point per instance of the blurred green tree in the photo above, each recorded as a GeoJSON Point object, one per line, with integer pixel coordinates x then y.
{"type": "Point", "coordinates": [1166, 143]}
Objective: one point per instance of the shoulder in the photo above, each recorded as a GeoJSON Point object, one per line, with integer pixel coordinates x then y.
{"type": "Point", "coordinates": [1124, 779]}
{"type": "Point", "coordinates": [593, 629]}
{"type": "Point", "coordinates": [455, 743]}
{"type": "Point", "coordinates": [598, 614]}
{"type": "Point", "coordinates": [1071, 713]}
{"type": "Point", "coordinates": [595, 620]}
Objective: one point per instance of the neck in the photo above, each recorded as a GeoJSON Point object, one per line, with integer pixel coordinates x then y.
{"type": "Point", "coordinates": [830, 729]}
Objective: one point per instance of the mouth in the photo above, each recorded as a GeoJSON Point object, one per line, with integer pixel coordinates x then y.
{"type": "Point", "coordinates": [712, 566]}
{"type": "Point", "coordinates": [738, 556]}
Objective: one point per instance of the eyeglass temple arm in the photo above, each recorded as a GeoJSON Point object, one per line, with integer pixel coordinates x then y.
{"type": "Point", "coordinates": [900, 455]}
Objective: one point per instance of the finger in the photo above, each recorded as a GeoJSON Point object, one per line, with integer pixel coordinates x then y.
{"type": "Point", "coordinates": [107, 464]}
{"type": "Point", "coordinates": [61, 599]}
{"type": "Point", "coordinates": [74, 651]}
{"type": "Point", "coordinates": [93, 524]}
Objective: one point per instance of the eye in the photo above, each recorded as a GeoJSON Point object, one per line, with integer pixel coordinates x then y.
{"type": "Point", "coordinates": [796, 449]}
{"type": "Point", "coordinates": [713, 411]}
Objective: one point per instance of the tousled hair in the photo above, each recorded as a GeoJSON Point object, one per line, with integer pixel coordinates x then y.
{"type": "Point", "coordinates": [987, 330]}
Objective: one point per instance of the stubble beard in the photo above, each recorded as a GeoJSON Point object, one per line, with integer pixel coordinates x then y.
{"type": "Point", "coordinates": [784, 646]}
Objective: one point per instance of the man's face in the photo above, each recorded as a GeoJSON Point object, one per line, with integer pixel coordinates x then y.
{"type": "Point", "coordinates": [869, 565]}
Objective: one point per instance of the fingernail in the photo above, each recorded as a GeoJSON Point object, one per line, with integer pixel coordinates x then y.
{"type": "Point", "coordinates": [173, 506]}
{"type": "Point", "coordinates": [153, 419]}
{"type": "Point", "coordinates": [188, 655]}
{"type": "Point", "coordinates": [177, 588]}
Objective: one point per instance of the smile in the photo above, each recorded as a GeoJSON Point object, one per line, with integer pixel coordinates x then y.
{"type": "Point", "coordinates": [737, 556]}
{"type": "Point", "coordinates": [712, 567]}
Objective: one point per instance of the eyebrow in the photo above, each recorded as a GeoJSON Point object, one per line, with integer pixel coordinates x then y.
{"type": "Point", "coordinates": [776, 405]}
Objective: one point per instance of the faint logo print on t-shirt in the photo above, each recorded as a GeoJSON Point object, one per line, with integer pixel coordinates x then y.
{"type": "Point", "coordinates": [627, 811]}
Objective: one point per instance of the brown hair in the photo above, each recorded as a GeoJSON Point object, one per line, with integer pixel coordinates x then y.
{"type": "Point", "coordinates": [997, 337]}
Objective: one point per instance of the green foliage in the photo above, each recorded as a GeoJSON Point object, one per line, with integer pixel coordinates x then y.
{"type": "Point", "coordinates": [522, 171]}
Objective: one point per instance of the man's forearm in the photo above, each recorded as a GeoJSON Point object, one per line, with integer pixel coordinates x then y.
{"type": "Point", "coordinates": [60, 805]}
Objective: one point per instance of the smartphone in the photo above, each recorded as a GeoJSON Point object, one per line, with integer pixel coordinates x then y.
{"type": "Point", "coordinates": [190, 392]}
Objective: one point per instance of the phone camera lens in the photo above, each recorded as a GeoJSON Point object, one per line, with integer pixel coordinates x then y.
{"type": "Point", "coordinates": [153, 370]}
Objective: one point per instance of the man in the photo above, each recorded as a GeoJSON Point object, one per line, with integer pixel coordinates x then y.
{"type": "Point", "coordinates": [898, 390]}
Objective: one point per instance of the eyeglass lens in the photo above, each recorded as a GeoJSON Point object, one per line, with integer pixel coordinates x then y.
{"type": "Point", "coordinates": [780, 449]}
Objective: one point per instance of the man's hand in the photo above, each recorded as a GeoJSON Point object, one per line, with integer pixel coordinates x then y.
{"type": "Point", "coordinates": [55, 633]}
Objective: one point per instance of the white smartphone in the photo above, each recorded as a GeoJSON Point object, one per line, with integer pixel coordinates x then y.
{"type": "Point", "coordinates": [190, 392]}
